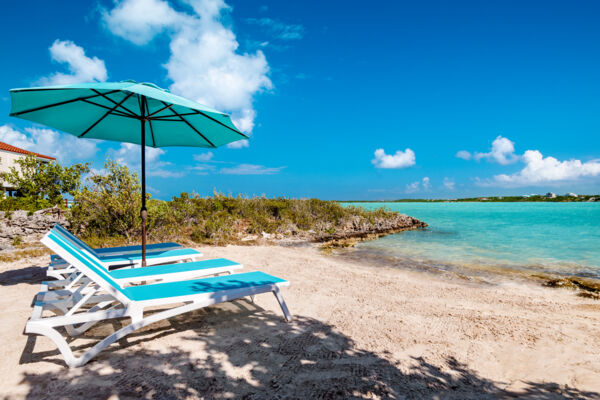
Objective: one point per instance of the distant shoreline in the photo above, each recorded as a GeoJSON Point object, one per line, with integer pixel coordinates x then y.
{"type": "Point", "coordinates": [584, 198]}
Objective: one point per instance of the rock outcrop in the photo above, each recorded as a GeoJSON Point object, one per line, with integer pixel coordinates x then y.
{"type": "Point", "coordinates": [23, 223]}
{"type": "Point", "coordinates": [362, 228]}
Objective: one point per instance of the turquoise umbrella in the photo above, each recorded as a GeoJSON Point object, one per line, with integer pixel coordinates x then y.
{"type": "Point", "coordinates": [127, 111]}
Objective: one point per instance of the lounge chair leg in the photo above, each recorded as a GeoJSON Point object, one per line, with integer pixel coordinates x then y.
{"type": "Point", "coordinates": [279, 297]}
{"type": "Point", "coordinates": [253, 298]}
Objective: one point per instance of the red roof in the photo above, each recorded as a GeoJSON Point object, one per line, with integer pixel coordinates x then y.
{"type": "Point", "coordinates": [13, 149]}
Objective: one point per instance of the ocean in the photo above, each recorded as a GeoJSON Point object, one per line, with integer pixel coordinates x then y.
{"type": "Point", "coordinates": [477, 238]}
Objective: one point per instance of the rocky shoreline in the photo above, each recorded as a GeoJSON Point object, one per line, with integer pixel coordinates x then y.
{"type": "Point", "coordinates": [358, 229]}
{"type": "Point", "coordinates": [27, 227]}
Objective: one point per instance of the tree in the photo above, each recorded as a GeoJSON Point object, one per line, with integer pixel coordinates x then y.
{"type": "Point", "coordinates": [45, 180]}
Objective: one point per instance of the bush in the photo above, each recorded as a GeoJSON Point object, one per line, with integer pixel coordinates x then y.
{"type": "Point", "coordinates": [30, 204]}
{"type": "Point", "coordinates": [109, 205]}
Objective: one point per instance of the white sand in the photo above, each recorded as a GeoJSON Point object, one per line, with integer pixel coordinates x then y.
{"type": "Point", "coordinates": [362, 331]}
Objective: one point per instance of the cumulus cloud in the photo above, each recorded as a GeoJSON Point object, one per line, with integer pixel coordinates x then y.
{"type": "Point", "coordinates": [401, 159]}
{"type": "Point", "coordinates": [130, 154]}
{"type": "Point", "coordinates": [81, 67]}
{"type": "Point", "coordinates": [416, 186]}
{"type": "Point", "coordinates": [240, 144]}
{"type": "Point", "coordinates": [449, 183]}
{"type": "Point", "coordinates": [50, 143]}
{"type": "Point", "coordinates": [204, 156]}
{"type": "Point", "coordinates": [278, 28]}
{"type": "Point", "coordinates": [426, 184]}
{"type": "Point", "coordinates": [204, 64]}
{"type": "Point", "coordinates": [412, 187]}
{"type": "Point", "coordinates": [540, 170]}
{"type": "Point", "coordinates": [139, 21]}
{"type": "Point", "coordinates": [502, 152]}
{"type": "Point", "coordinates": [250, 169]}
{"type": "Point", "coordinates": [465, 155]}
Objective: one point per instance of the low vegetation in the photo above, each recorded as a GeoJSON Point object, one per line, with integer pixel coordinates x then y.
{"type": "Point", "coordinates": [109, 208]}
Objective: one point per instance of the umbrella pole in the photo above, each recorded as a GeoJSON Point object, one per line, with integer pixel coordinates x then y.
{"type": "Point", "coordinates": [143, 211]}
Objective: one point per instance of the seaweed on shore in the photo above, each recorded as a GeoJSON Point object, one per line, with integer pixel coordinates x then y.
{"type": "Point", "coordinates": [588, 288]}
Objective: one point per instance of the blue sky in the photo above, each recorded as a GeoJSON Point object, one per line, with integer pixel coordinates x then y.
{"type": "Point", "coordinates": [343, 101]}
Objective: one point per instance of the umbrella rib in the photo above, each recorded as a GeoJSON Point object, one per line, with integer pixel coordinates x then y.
{"type": "Point", "coordinates": [197, 112]}
{"type": "Point", "coordinates": [157, 111]}
{"type": "Point", "coordinates": [190, 125]}
{"type": "Point", "coordinates": [150, 125]}
{"type": "Point", "coordinates": [220, 123]}
{"type": "Point", "coordinates": [61, 103]}
{"type": "Point", "coordinates": [115, 112]}
{"type": "Point", "coordinates": [114, 102]}
{"type": "Point", "coordinates": [105, 115]}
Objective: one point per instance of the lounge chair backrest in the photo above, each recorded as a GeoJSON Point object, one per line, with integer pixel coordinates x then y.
{"type": "Point", "coordinates": [68, 235]}
{"type": "Point", "coordinates": [88, 264]}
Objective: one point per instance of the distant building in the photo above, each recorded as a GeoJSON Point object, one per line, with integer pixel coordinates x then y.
{"type": "Point", "coordinates": [550, 195]}
{"type": "Point", "coordinates": [8, 156]}
{"type": "Point", "coordinates": [571, 194]}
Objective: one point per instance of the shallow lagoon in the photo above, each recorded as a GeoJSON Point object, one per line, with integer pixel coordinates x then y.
{"type": "Point", "coordinates": [547, 237]}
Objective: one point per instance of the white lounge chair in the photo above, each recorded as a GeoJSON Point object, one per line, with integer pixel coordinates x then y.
{"type": "Point", "coordinates": [60, 269]}
{"type": "Point", "coordinates": [111, 300]}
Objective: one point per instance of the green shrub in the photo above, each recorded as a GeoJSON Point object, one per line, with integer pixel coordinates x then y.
{"type": "Point", "coordinates": [109, 205]}
{"type": "Point", "coordinates": [24, 203]}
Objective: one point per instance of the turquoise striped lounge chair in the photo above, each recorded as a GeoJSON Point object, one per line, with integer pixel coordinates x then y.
{"type": "Point", "coordinates": [112, 300]}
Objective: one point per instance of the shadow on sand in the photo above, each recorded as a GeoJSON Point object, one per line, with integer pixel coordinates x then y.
{"type": "Point", "coordinates": [239, 350]}
{"type": "Point", "coordinates": [34, 275]}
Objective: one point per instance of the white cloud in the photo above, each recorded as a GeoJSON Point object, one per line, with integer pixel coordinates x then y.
{"type": "Point", "coordinates": [163, 173]}
{"type": "Point", "coordinates": [203, 169]}
{"type": "Point", "coordinates": [204, 156]}
{"type": "Point", "coordinates": [130, 155]}
{"type": "Point", "coordinates": [465, 155]}
{"type": "Point", "coordinates": [401, 159]}
{"type": "Point", "coordinates": [250, 169]}
{"type": "Point", "coordinates": [279, 29]}
{"type": "Point", "coordinates": [204, 63]}
{"type": "Point", "coordinates": [139, 21]}
{"type": "Point", "coordinates": [50, 143]}
{"type": "Point", "coordinates": [81, 67]}
{"type": "Point", "coordinates": [412, 187]}
{"type": "Point", "coordinates": [449, 183]}
{"type": "Point", "coordinates": [502, 152]}
{"type": "Point", "coordinates": [540, 170]}
{"type": "Point", "coordinates": [240, 144]}
{"type": "Point", "coordinates": [426, 183]}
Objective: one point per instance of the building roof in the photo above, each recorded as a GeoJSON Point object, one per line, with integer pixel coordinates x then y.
{"type": "Point", "coordinates": [13, 149]}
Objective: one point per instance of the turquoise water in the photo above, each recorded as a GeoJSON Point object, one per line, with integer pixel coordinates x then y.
{"type": "Point", "coordinates": [553, 237]}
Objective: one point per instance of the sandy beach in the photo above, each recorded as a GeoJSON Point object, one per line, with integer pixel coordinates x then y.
{"type": "Point", "coordinates": [359, 331]}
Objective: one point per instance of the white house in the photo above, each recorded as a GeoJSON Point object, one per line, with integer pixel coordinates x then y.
{"type": "Point", "coordinates": [8, 155]}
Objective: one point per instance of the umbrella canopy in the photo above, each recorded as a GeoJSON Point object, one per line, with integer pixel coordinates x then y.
{"type": "Point", "coordinates": [140, 113]}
